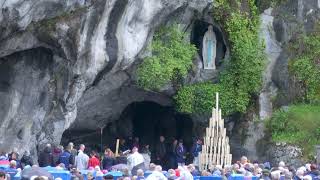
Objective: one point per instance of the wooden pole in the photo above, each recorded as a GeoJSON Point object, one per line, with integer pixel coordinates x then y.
{"type": "Point", "coordinates": [117, 147]}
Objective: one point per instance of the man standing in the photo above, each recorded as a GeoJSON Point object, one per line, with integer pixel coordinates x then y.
{"type": "Point", "coordinates": [46, 157]}
{"type": "Point", "coordinates": [196, 149]}
{"type": "Point", "coordinates": [181, 153]}
{"type": "Point", "coordinates": [66, 158]}
{"type": "Point", "coordinates": [81, 161]}
{"type": "Point", "coordinates": [135, 161]}
{"type": "Point", "coordinates": [161, 151]}
{"type": "Point", "coordinates": [72, 150]}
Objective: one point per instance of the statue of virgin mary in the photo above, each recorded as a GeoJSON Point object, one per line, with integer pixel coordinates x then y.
{"type": "Point", "coordinates": [209, 49]}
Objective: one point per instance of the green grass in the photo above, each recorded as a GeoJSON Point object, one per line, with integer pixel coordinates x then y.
{"type": "Point", "coordinates": [298, 125]}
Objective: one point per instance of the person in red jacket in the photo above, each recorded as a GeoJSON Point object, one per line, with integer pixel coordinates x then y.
{"type": "Point", "coordinates": [93, 161]}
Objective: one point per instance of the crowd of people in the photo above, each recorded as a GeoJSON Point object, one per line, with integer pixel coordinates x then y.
{"type": "Point", "coordinates": [135, 163]}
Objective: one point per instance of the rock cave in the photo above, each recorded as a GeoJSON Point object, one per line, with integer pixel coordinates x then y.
{"type": "Point", "coordinates": [146, 120]}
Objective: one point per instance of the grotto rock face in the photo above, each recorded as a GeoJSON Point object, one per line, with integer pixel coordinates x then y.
{"type": "Point", "coordinates": [70, 64]}
{"type": "Point", "coordinates": [279, 26]}
{"type": "Point", "coordinates": [63, 61]}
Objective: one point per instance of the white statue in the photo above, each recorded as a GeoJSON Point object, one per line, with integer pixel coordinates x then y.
{"type": "Point", "coordinates": [209, 49]}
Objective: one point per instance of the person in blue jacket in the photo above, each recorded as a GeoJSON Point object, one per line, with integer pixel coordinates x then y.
{"type": "Point", "coordinates": [195, 150]}
{"type": "Point", "coordinates": [181, 153]}
{"type": "Point", "coordinates": [66, 158]}
{"type": "Point", "coordinates": [12, 170]}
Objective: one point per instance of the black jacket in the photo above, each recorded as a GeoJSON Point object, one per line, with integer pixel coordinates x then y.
{"type": "Point", "coordinates": [26, 160]}
{"type": "Point", "coordinates": [46, 158]}
{"type": "Point", "coordinates": [108, 162]}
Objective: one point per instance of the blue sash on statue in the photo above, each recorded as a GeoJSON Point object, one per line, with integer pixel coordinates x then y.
{"type": "Point", "coordinates": [209, 52]}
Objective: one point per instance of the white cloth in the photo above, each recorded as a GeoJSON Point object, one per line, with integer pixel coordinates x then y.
{"type": "Point", "coordinates": [156, 175]}
{"type": "Point", "coordinates": [186, 175]}
{"type": "Point", "coordinates": [135, 159]}
{"type": "Point", "coordinates": [147, 159]}
{"type": "Point", "coordinates": [81, 161]}
{"type": "Point", "coordinates": [196, 161]}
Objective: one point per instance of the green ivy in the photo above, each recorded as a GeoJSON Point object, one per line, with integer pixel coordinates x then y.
{"type": "Point", "coordinates": [264, 4]}
{"type": "Point", "coordinates": [298, 124]}
{"type": "Point", "coordinates": [243, 75]}
{"type": "Point", "coordinates": [305, 64]}
{"type": "Point", "coordinates": [171, 56]}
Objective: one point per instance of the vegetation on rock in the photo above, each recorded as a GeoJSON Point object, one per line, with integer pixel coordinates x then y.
{"type": "Point", "coordinates": [265, 4]}
{"type": "Point", "coordinates": [171, 56]}
{"type": "Point", "coordinates": [243, 75]}
{"type": "Point", "coordinates": [305, 64]}
{"type": "Point", "coordinates": [297, 124]}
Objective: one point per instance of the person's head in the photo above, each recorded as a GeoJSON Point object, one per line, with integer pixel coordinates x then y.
{"type": "Point", "coordinates": [171, 172]}
{"type": "Point", "coordinates": [39, 178]}
{"type": "Point", "coordinates": [307, 177]}
{"type": "Point", "coordinates": [180, 142]}
{"type": "Point", "coordinates": [70, 146]}
{"type": "Point", "coordinates": [147, 146]}
{"type": "Point", "coordinates": [122, 141]}
{"type": "Point", "coordinates": [275, 175]}
{"type": "Point", "coordinates": [61, 166]}
{"type": "Point", "coordinates": [108, 152]}
{"type": "Point", "coordinates": [108, 177]}
{"type": "Point", "coordinates": [14, 156]}
{"type": "Point", "coordinates": [235, 167]}
{"type": "Point", "coordinates": [162, 138]}
{"type": "Point", "coordinates": [90, 176]}
{"type": "Point", "coordinates": [199, 141]}
{"type": "Point", "coordinates": [282, 164]}
{"type": "Point", "coordinates": [140, 173]}
{"type": "Point", "coordinates": [92, 154]}
{"type": "Point", "coordinates": [152, 167]}
{"type": "Point", "coordinates": [158, 168]}
{"type": "Point", "coordinates": [2, 175]}
{"type": "Point", "coordinates": [175, 142]}
{"type": "Point", "coordinates": [48, 145]}
{"type": "Point", "coordinates": [13, 164]}
{"type": "Point", "coordinates": [244, 160]}
{"type": "Point", "coordinates": [134, 149]}
{"type": "Point", "coordinates": [97, 169]}
{"type": "Point", "coordinates": [313, 167]}
{"type": "Point", "coordinates": [82, 147]}
{"type": "Point", "coordinates": [136, 139]}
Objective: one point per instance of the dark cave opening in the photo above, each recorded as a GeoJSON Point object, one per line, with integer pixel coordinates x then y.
{"type": "Point", "coordinates": [146, 120]}
{"type": "Point", "coordinates": [197, 33]}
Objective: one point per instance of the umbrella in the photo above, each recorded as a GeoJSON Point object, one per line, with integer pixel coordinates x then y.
{"type": "Point", "coordinates": [35, 171]}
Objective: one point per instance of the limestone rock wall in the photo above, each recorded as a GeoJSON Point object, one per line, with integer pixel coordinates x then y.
{"type": "Point", "coordinates": [63, 60]}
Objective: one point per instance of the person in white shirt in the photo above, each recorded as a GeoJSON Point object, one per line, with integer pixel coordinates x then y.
{"type": "Point", "coordinates": [157, 174]}
{"type": "Point", "coordinates": [135, 161]}
{"type": "Point", "coordinates": [81, 160]}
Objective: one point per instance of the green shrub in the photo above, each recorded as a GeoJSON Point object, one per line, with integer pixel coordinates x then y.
{"type": "Point", "coordinates": [171, 55]}
{"type": "Point", "coordinates": [299, 125]}
{"type": "Point", "coordinates": [242, 76]}
{"type": "Point", "coordinates": [305, 64]}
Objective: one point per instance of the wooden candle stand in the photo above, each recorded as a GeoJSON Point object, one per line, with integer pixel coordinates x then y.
{"type": "Point", "coordinates": [215, 148]}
